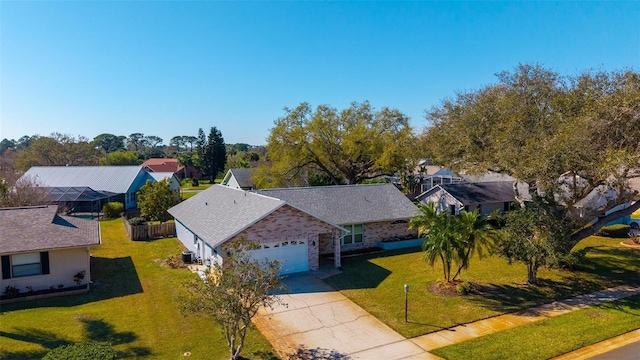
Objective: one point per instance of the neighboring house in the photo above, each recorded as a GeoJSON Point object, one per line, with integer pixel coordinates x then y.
{"type": "Point", "coordinates": [41, 249]}
{"type": "Point", "coordinates": [174, 182]}
{"type": "Point", "coordinates": [120, 183]}
{"type": "Point", "coordinates": [370, 213]}
{"type": "Point", "coordinates": [485, 196]}
{"type": "Point", "coordinates": [238, 178]}
{"type": "Point", "coordinates": [293, 225]}
{"type": "Point", "coordinates": [171, 165]}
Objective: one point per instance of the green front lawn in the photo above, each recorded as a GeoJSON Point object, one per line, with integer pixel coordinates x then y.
{"type": "Point", "coordinates": [132, 305]}
{"type": "Point", "coordinates": [202, 184]}
{"type": "Point", "coordinates": [552, 337]}
{"type": "Point", "coordinates": [375, 282]}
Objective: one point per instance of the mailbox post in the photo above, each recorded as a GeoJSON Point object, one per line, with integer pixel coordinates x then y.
{"type": "Point", "coordinates": [406, 302]}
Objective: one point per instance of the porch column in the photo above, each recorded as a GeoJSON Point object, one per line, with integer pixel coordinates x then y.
{"type": "Point", "coordinates": [336, 250]}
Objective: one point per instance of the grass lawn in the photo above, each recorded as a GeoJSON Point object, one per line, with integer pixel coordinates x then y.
{"type": "Point", "coordinates": [375, 282]}
{"type": "Point", "coordinates": [202, 184]}
{"type": "Point", "coordinates": [186, 195]}
{"type": "Point", "coordinates": [558, 335]}
{"type": "Point", "coordinates": [132, 305]}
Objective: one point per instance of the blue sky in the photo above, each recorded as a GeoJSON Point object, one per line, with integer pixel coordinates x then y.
{"type": "Point", "coordinates": [168, 68]}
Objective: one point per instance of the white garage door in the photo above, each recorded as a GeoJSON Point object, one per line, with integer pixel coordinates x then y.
{"type": "Point", "coordinates": [292, 254]}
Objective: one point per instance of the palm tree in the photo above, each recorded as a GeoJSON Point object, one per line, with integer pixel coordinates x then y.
{"type": "Point", "coordinates": [476, 232]}
{"type": "Point", "coordinates": [451, 238]}
{"type": "Point", "coordinates": [440, 239]}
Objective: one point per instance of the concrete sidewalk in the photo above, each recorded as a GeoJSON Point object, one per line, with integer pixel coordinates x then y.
{"type": "Point", "coordinates": [472, 330]}
{"type": "Point", "coordinates": [321, 321]}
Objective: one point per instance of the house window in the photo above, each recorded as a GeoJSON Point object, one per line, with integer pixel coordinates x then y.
{"type": "Point", "coordinates": [354, 236]}
{"type": "Point", "coordinates": [28, 264]}
{"type": "Point", "coordinates": [452, 209]}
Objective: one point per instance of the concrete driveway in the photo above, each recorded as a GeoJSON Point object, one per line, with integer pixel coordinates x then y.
{"type": "Point", "coordinates": [320, 321]}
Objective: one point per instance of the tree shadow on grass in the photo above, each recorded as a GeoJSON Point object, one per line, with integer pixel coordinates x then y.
{"type": "Point", "coordinates": [94, 330]}
{"type": "Point", "coordinates": [615, 265]}
{"type": "Point", "coordinates": [599, 267]}
{"type": "Point", "coordinates": [112, 277]}
{"type": "Point", "coordinates": [22, 355]}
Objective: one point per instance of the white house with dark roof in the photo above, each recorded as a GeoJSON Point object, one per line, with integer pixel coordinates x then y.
{"type": "Point", "coordinates": [238, 178]}
{"type": "Point", "coordinates": [293, 225]}
{"type": "Point", "coordinates": [483, 196]}
{"type": "Point", "coordinates": [40, 249]}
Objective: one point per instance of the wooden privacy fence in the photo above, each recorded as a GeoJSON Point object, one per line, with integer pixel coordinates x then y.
{"type": "Point", "coordinates": [149, 231]}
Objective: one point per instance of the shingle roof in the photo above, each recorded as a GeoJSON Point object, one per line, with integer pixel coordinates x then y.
{"type": "Point", "coordinates": [162, 165]}
{"type": "Point", "coordinates": [476, 193]}
{"type": "Point", "coordinates": [116, 179]}
{"type": "Point", "coordinates": [243, 177]}
{"type": "Point", "coordinates": [348, 204]}
{"type": "Point", "coordinates": [221, 212]}
{"type": "Point", "coordinates": [39, 228]}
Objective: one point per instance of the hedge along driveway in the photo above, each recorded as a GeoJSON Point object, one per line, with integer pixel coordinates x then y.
{"type": "Point", "coordinates": [375, 282]}
{"type": "Point", "coordinates": [131, 305]}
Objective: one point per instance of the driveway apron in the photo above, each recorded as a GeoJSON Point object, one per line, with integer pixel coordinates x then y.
{"type": "Point", "coordinates": [317, 318]}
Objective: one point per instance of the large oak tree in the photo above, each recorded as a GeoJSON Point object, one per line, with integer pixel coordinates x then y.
{"type": "Point", "coordinates": [350, 145]}
{"type": "Point", "coordinates": [563, 135]}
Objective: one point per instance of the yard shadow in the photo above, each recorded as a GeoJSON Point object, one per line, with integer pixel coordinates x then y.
{"type": "Point", "coordinates": [111, 277]}
{"type": "Point", "coordinates": [94, 330]}
{"type": "Point", "coordinates": [22, 355]}
{"type": "Point", "coordinates": [618, 265]}
{"type": "Point", "coordinates": [360, 273]}
{"type": "Point", "coordinates": [599, 268]}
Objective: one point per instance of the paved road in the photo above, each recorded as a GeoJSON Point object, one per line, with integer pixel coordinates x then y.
{"type": "Point", "coordinates": [628, 352]}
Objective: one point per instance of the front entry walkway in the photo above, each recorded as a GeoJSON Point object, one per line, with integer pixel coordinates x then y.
{"type": "Point", "coordinates": [319, 320]}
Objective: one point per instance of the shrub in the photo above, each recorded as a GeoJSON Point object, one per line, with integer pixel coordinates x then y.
{"type": "Point", "coordinates": [11, 291]}
{"type": "Point", "coordinates": [79, 277]}
{"type": "Point", "coordinates": [615, 231]}
{"type": "Point", "coordinates": [195, 182]}
{"type": "Point", "coordinates": [137, 221]}
{"type": "Point", "coordinates": [82, 351]}
{"type": "Point", "coordinates": [466, 288]}
{"type": "Point", "coordinates": [112, 210]}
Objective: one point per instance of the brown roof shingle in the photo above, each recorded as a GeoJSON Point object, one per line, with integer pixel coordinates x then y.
{"type": "Point", "coordinates": [38, 228]}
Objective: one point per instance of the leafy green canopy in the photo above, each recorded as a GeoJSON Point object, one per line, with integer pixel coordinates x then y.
{"type": "Point", "coordinates": [155, 198]}
{"type": "Point", "coordinates": [563, 135]}
{"type": "Point", "coordinates": [535, 237]}
{"type": "Point", "coordinates": [351, 145]}
{"type": "Point", "coordinates": [234, 291]}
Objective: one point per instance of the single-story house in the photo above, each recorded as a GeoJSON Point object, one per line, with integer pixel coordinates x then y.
{"type": "Point", "coordinates": [484, 196]}
{"type": "Point", "coordinates": [120, 183]}
{"type": "Point", "coordinates": [370, 213]}
{"type": "Point", "coordinates": [238, 178]}
{"type": "Point", "coordinates": [171, 165]}
{"type": "Point", "coordinates": [41, 249]}
{"type": "Point", "coordinates": [293, 225]}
